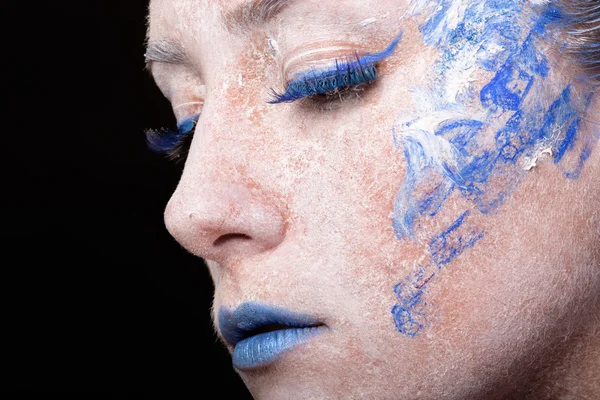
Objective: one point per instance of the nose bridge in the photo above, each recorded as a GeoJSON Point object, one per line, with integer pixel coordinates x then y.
{"type": "Point", "coordinates": [233, 120]}
{"type": "Point", "coordinates": [221, 209]}
{"type": "Point", "coordinates": [230, 141]}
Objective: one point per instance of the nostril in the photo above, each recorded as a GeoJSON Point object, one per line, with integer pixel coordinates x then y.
{"type": "Point", "coordinates": [229, 237]}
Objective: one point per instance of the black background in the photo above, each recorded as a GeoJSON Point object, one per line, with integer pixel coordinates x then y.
{"type": "Point", "coordinates": [96, 296]}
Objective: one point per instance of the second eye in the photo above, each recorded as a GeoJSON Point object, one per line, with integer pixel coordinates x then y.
{"type": "Point", "coordinates": [173, 143]}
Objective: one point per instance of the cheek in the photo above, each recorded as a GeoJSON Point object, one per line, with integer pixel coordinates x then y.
{"type": "Point", "coordinates": [358, 203]}
{"type": "Point", "coordinates": [368, 185]}
{"type": "Point", "coordinates": [526, 283]}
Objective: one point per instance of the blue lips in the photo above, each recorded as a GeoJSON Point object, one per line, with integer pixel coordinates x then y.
{"type": "Point", "coordinates": [261, 333]}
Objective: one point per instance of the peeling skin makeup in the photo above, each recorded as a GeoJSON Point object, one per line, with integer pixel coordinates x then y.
{"type": "Point", "coordinates": [394, 199]}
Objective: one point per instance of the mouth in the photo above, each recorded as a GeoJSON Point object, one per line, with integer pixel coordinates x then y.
{"type": "Point", "coordinates": [260, 334]}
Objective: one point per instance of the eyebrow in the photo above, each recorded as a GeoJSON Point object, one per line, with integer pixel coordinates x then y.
{"type": "Point", "coordinates": [244, 17]}
{"type": "Point", "coordinates": [165, 51]}
{"type": "Point", "coordinates": [253, 13]}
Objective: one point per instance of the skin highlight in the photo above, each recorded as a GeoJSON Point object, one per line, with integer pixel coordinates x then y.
{"type": "Point", "coordinates": [291, 205]}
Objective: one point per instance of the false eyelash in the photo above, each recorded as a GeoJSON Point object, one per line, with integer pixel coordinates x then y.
{"type": "Point", "coordinates": [174, 144]}
{"type": "Point", "coordinates": [346, 74]}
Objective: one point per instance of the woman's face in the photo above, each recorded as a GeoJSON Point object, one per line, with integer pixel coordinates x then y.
{"type": "Point", "coordinates": [431, 234]}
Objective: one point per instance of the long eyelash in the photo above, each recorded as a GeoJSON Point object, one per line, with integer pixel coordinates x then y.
{"type": "Point", "coordinates": [347, 73]}
{"type": "Point", "coordinates": [174, 144]}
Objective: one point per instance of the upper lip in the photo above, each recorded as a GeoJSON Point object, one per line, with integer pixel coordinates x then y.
{"type": "Point", "coordinates": [250, 319]}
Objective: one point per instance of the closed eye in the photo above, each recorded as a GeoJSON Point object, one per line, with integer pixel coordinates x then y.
{"type": "Point", "coordinates": [348, 73]}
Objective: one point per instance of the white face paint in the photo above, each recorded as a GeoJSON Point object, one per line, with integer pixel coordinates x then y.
{"type": "Point", "coordinates": [393, 229]}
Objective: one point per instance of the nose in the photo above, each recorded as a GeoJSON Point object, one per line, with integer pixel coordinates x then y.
{"type": "Point", "coordinates": [224, 221]}
{"type": "Point", "coordinates": [227, 206]}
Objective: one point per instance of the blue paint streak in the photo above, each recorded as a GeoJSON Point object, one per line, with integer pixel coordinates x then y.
{"type": "Point", "coordinates": [475, 165]}
{"type": "Point", "coordinates": [485, 24]}
{"type": "Point", "coordinates": [568, 142]}
{"type": "Point", "coordinates": [418, 163]}
{"type": "Point", "coordinates": [434, 24]}
{"type": "Point", "coordinates": [408, 314]}
{"type": "Point", "coordinates": [376, 57]}
{"type": "Point", "coordinates": [448, 245]}
{"type": "Point", "coordinates": [513, 138]}
{"type": "Point", "coordinates": [585, 154]}
{"type": "Point", "coordinates": [513, 81]}
{"type": "Point", "coordinates": [559, 114]}
{"type": "Point", "coordinates": [515, 78]}
{"type": "Point", "coordinates": [432, 204]}
{"type": "Point", "coordinates": [403, 224]}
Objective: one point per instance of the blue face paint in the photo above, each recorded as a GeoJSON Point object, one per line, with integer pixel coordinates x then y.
{"type": "Point", "coordinates": [451, 243]}
{"type": "Point", "coordinates": [492, 29]}
{"type": "Point", "coordinates": [450, 145]}
{"type": "Point", "coordinates": [409, 313]}
{"type": "Point", "coordinates": [585, 154]}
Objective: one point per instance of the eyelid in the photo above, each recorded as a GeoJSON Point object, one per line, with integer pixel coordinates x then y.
{"type": "Point", "coordinates": [187, 104]}
{"type": "Point", "coordinates": [325, 55]}
{"type": "Point", "coordinates": [183, 111]}
{"type": "Point", "coordinates": [303, 59]}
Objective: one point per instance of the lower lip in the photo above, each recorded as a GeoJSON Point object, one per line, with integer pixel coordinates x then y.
{"type": "Point", "coordinates": [263, 349]}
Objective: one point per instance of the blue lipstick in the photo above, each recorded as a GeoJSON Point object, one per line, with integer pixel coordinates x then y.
{"type": "Point", "coordinates": [261, 333]}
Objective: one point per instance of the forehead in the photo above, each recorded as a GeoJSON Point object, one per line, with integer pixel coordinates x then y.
{"type": "Point", "coordinates": [174, 17]}
{"type": "Point", "coordinates": [168, 18]}
{"type": "Point", "coordinates": [187, 5]}
{"type": "Point", "coordinates": [165, 15]}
